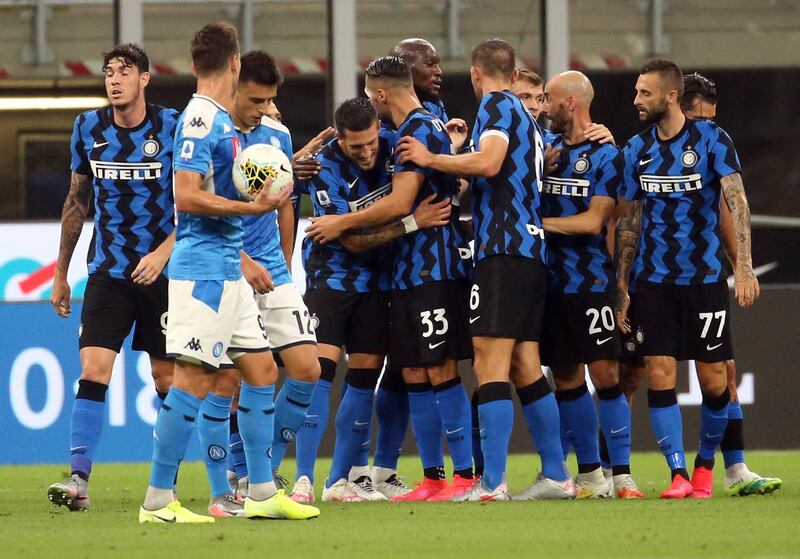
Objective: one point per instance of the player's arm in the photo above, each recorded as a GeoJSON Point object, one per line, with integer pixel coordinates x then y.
{"type": "Point", "coordinates": [746, 288]}
{"type": "Point", "coordinates": [629, 228]}
{"type": "Point", "coordinates": [73, 214]}
{"type": "Point", "coordinates": [428, 214]}
{"type": "Point", "coordinates": [255, 274]}
{"type": "Point", "coordinates": [150, 265]}
{"type": "Point", "coordinates": [589, 222]}
{"type": "Point", "coordinates": [486, 162]}
{"type": "Point", "coordinates": [405, 186]}
{"type": "Point", "coordinates": [599, 133]}
{"type": "Point", "coordinates": [286, 231]}
{"type": "Point", "coordinates": [726, 232]}
{"type": "Point", "coordinates": [189, 198]}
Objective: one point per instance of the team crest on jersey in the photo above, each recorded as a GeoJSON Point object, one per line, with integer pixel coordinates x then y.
{"type": "Point", "coordinates": [639, 335]}
{"type": "Point", "coordinates": [581, 165]}
{"type": "Point", "coordinates": [275, 142]}
{"type": "Point", "coordinates": [151, 148]}
{"type": "Point", "coordinates": [322, 198]}
{"type": "Point", "coordinates": [689, 158]}
{"type": "Point", "coordinates": [388, 165]}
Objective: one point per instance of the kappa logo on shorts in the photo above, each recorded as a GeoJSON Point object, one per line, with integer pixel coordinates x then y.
{"type": "Point", "coordinates": [194, 345]}
{"type": "Point", "coordinates": [216, 351]}
{"type": "Point", "coordinates": [217, 453]}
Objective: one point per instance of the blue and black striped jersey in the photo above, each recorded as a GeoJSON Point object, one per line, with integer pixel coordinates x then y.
{"type": "Point", "coordinates": [438, 253]}
{"type": "Point", "coordinates": [579, 263]}
{"type": "Point", "coordinates": [678, 182]}
{"type": "Point", "coordinates": [131, 170]}
{"type": "Point", "coordinates": [505, 207]}
{"type": "Point", "coordinates": [436, 109]}
{"type": "Point", "coordinates": [339, 188]}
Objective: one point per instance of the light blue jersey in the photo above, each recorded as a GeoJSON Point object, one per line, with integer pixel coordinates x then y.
{"type": "Point", "coordinates": [262, 241]}
{"type": "Point", "coordinates": [207, 248]}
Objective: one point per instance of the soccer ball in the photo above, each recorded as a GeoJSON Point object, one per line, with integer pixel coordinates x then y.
{"type": "Point", "coordinates": [257, 162]}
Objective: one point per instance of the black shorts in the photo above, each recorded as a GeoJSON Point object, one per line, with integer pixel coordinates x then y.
{"type": "Point", "coordinates": [580, 328]}
{"type": "Point", "coordinates": [112, 306]}
{"type": "Point", "coordinates": [507, 299]}
{"type": "Point", "coordinates": [429, 324]}
{"type": "Point", "coordinates": [358, 321]}
{"type": "Point", "coordinates": [684, 321]}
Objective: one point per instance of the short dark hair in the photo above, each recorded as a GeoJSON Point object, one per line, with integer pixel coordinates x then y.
{"type": "Point", "coordinates": [531, 77]}
{"type": "Point", "coordinates": [213, 46]}
{"type": "Point", "coordinates": [391, 67]}
{"type": "Point", "coordinates": [259, 67]}
{"type": "Point", "coordinates": [131, 54]}
{"type": "Point", "coordinates": [668, 71]}
{"type": "Point", "coordinates": [698, 86]}
{"type": "Point", "coordinates": [495, 57]}
{"type": "Point", "coordinates": [355, 115]}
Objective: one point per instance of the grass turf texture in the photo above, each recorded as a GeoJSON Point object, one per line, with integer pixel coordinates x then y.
{"type": "Point", "coordinates": [720, 527]}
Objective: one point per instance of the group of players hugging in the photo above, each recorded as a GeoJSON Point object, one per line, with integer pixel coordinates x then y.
{"type": "Point", "coordinates": [404, 285]}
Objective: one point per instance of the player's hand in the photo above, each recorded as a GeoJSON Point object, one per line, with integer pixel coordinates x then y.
{"type": "Point", "coordinates": [433, 214]}
{"type": "Point", "coordinates": [411, 149]}
{"type": "Point", "coordinates": [550, 159]}
{"type": "Point", "coordinates": [266, 201]}
{"type": "Point", "coordinates": [59, 297]}
{"type": "Point", "coordinates": [149, 267]}
{"type": "Point", "coordinates": [599, 133]}
{"type": "Point", "coordinates": [325, 228]}
{"type": "Point", "coordinates": [256, 275]}
{"type": "Point", "coordinates": [745, 286]}
{"type": "Point", "coordinates": [457, 130]}
{"type": "Point", "coordinates": [622, 305]}
{"type": "Point", "coordinates": [306, 167]}
{"type": "Point", "coordinates": [316, 142]}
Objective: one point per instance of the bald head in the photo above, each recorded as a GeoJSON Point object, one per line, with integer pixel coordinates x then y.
{"type": "Point", "coordinates": [423, 60]}
{"type": "Point", "coordinates": [572, 84]}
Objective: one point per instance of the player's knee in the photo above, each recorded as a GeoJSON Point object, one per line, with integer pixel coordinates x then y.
{"type": "Point", "coordinates": [226, 383]}
{"type": "Point", "coordinates": [415, 375]}
{"type": "Point", "coordinates": [95, 372]}
{"type": "Point", "coordinates": [604, 374]}
{"type": "Point", "coordinates": [306, 369]}
{"type": "Point", "coordinates": [162, 372]}
{"type": "Point", "coordinates": [441, 375]}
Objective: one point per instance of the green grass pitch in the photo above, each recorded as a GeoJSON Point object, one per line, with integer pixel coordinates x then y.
{"type": "Point", "coordinates": [720, 527]}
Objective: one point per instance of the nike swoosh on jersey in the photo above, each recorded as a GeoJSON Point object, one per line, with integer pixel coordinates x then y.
{"type": "Point", "coordinates": [352, 184]}
{"type": "Point", "coordinates": [99, 145]}
{"type": "Point", "coordinates": [712, 347]}
{"type": "Point", "coordinates": [645, 162]}
{"type": "Point", "coordinates": [434, 346]}
{"type": "Point", "coordinates": [601, 342]}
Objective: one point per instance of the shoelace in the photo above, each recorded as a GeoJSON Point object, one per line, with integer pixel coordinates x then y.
{"type": "Point", "coordinates": [365, 483]}
{"type": "Point", "coordinates": [395, 481]}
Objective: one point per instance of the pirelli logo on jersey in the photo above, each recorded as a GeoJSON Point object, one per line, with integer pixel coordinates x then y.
{"type": "Point", "coordinates": [118, 171]}
{"type": "Point", "coordinates": [661, 184]}
{"type": "Point", "coordinates": [369, 199]}
{"type": "Point", "coordinates": [566, 187]}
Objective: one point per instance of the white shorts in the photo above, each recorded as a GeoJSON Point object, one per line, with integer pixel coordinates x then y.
{"type": "Point", "coordinates": [286, 317]}
{"type": "Point", "coordinates": [212, 319]}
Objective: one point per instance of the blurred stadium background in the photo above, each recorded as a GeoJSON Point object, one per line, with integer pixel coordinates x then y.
{"type": "Point", "coordinates": [50, 55]}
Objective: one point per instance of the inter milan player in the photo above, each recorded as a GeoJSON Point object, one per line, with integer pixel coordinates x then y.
{"type": "Point", "coordinates": [674, 175]}
{"type": "Point", "coordinates": [428, 322]}
{"type": "Point", "coordinates": [348, 284]}
{"type": "Point", "coordinates": [121, 154]}
{"type": "Point", "coordinates": [212, 310]}
{"type": "Point", "coordinates": [426, 72]}
{"type": "Point", "coordinates": [577, 199]}
{"type": "Point", "coordinates": [529, 87]}
{"type": "Point", "coordinates": [507, 298]}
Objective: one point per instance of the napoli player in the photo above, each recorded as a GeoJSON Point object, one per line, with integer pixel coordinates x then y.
{"type": "Point", "coordinates": [121, 156]}
{"type": "Point", "coordinates": [213, 313]}
{"type": "Point", "coordinates": [429, 325]}
{"type": "Point", "coordinates": [507, 297]}
{"type": "Point", "coordinates": [674, 174]}
{"type": "Point", "coordinates": [577, 199]}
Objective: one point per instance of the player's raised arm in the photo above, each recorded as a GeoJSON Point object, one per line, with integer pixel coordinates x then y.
{"type": "Point", "coordinates": [73, 214]}
{"type": "Point", "coordinates": [746, 286]}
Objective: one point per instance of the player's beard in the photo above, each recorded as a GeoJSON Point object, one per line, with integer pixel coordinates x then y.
{"type": "Point", "coordinates": [655, 115]}
{"type": "Point", "coordinates": [426, 95]}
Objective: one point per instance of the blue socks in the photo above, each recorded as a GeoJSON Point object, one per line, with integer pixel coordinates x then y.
{"type": "Point", "coordinates": [88, 416]}
{"type": "Point", "coordinates": [171, 436]}
{"type": "Point", "coordinates": [665, 417]}
{"type": "Point", "coordinates": [391, 407]}
{"type": "Point", "coordinates": [353, 422]}
{"type": "Point", "coordinates": [579, 423]}
{"type": "Point", "coordinates": [541, 414]}
{"type": "Point", "coordinates": [615, 422]}
{"type": "Point", "coordinates": [454, 410]}
{"type": "Point", "coordinates": [477, 454]}
{"type": "Point", "coordinates": [426, 424]}
{"type": "Point", "coordinates": [732, 445]}
{"type": "Point", "coordinates": [256, 425]}
{"type": "Point", "coordinates": [290, 410]}
{"type": "Point", "coordinates": [236, 461]}
{"type": "Point", "coordinates": [213, 431]}
{"type": "Point", "coordinates": [713, 420]}
{"type": "Point", "coordinates": [496, 415]}
{"type": "Point", "coordinates": [316, 421]}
